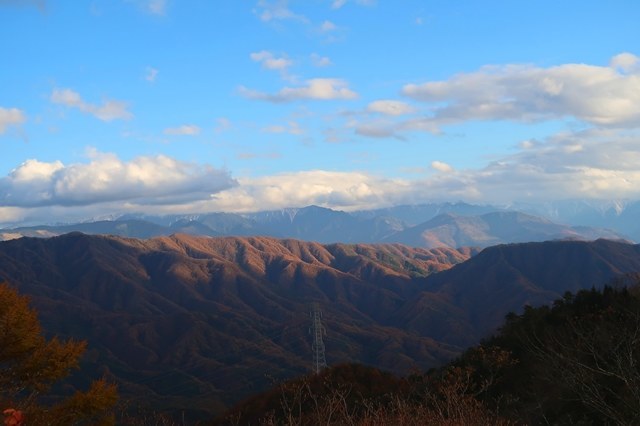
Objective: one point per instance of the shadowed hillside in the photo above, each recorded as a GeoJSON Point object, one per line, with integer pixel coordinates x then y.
{"type": "Point", "coordinates": [574, 362]}
{"type": "Point", "coordinates": [196, 323]}
{"type": "Point", "coordinates": [505, 278]}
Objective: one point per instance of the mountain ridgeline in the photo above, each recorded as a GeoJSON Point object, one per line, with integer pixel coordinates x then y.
{"type": "Point", "coordinates": [429, 226]}
{"type": "Point", "coordinates": [195, 323]}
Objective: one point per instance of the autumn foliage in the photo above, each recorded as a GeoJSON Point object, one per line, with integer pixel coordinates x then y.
{"type": "Point", "coordinates": [30, 365]}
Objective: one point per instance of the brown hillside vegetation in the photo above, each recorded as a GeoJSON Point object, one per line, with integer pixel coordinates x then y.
{"type": "Point", "coordinates": [192, 322]}
{"type": "Point", "coordinates": [196, 323]}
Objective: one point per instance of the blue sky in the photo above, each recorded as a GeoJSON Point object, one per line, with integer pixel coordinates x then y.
{"type": "Point", "coordinates": [166, 106]}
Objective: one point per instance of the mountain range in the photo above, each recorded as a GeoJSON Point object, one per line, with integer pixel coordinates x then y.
{"type": "Point", "coordinates": [192, 324]}
{"type": "Point", "coordinates": [429, 226]}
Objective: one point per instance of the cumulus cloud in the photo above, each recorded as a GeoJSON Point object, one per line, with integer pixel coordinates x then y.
{"type": "Point", "coordinates": [10, 117]}
{"type": "Point", "coordinates": [110, 109]}
{"type": "Point", "coordinates": [592, 164]}
{"type": "Point", "coordinates": [625, 62]}
{"type": "Point", "coordinates": [602, 96]}
{"type": "Point", "coordinates": [314, 89]}
{"type": "Point", "coordinates": [184, 130]}
{"type": "Point", "coordinates": [390, 107]}
{"type": "Point", "coordinates": [158, 180]}
{"type": "Point", "coordinates": [345, 190]}
{"type": "Point", "coordinates": [269, 61]}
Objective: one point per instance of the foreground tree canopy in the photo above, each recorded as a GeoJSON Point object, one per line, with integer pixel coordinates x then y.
{"type": "Point", "coordinates": [574, 362]}
{"type": "Point", "coordinates": [30, 365]}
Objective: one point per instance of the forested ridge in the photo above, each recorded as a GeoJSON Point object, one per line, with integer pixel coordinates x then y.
{"type": "Point", "coordinates": [187, 327]}
{"type": "Point", "coordinates": [573, 362]}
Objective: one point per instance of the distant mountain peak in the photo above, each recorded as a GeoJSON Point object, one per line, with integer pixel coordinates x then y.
{"type": "Point", "coordinates": [427, 225]}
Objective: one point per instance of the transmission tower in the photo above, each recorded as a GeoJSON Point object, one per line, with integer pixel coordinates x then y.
{"type": "Point", "coordinates": [317, 347]}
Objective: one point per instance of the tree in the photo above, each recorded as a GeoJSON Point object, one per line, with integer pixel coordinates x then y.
{"type": "Point", "coordinates": [592, 355]}
{"type": "Point", "coordinates": [30, 365]}
{"type": "Point", "coordinates": [575, 362]}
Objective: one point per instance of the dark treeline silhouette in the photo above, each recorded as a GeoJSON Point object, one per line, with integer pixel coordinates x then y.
{"type": "Point", "coordinates": [576, 361]}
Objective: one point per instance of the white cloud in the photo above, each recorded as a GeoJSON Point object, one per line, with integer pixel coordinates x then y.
{"type": "Point", "coordinates": [379, 129]}
{"type": "Point", "coordinates": [67, 97]}
{"type": "Point", "coordinates": [11, 117]}
{"type": "Point", "coordinates": [441, 167]}
{"type": "Point", "coordinates": [601, 96]}
{"type": "Point", "coordinates": [320, 61]}
{"type": "Point", "coordinates": [157, 7]}
{"type": "Point", "coordinates": [528, 144]}
{"type": "Point", "coordinates": [587, 165]}
{"type": "Point", "coordinates": [626, 62]}
{"type": "Point", "coordinates": [292, 128]}
{"type": "Point", "coordinates": [158, 180]}
{"type": "Point", "coordinates": [344, 190]}
{"type": "Point", "coordinates": [314, 89]}
{"type": "Point", "coordinates": [328, 26]}
{"type": "Point", "coordinates": [337, 4]}
{"type": "Point", "coordinates": [108, 111]}
{"type": "Point", "coordinates": [11, 215]}
{"type": "Point", "coordinates": [254, 156]}
{"type": "Point", "coordinates": [276, 10]}
{"type": "Point", "coordinates": [594, 164]}
{"type": "Point", "coordinates": [390, 107]}
{"type": "Point", "coordinates": [269, 61]}
{"type": "Point", "coordinates": [152, 7]}
{"type": "Point", "coordinates": [151, 74]}
{"type": "Point", "coordinates": [184, 130]}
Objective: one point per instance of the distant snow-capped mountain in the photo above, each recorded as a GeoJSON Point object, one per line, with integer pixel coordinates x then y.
{"type": "Point", "coordinates": [429, 225]}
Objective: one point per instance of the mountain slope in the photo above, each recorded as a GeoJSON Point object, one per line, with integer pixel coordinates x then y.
{"type": "Point", "coordinates": [195, 323]}
{"type": "Point", "coordinates": [505, 278]}
{"type": "Point", "coordinates": [323, 225]}
{"type": "Point", "coordinates": [451, 230]}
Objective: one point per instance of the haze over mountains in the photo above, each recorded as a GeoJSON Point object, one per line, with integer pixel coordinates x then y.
{"type": "Point", "coordinates": [194, 323]}
{"type": "Point", "coordinates": [429, 225]}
